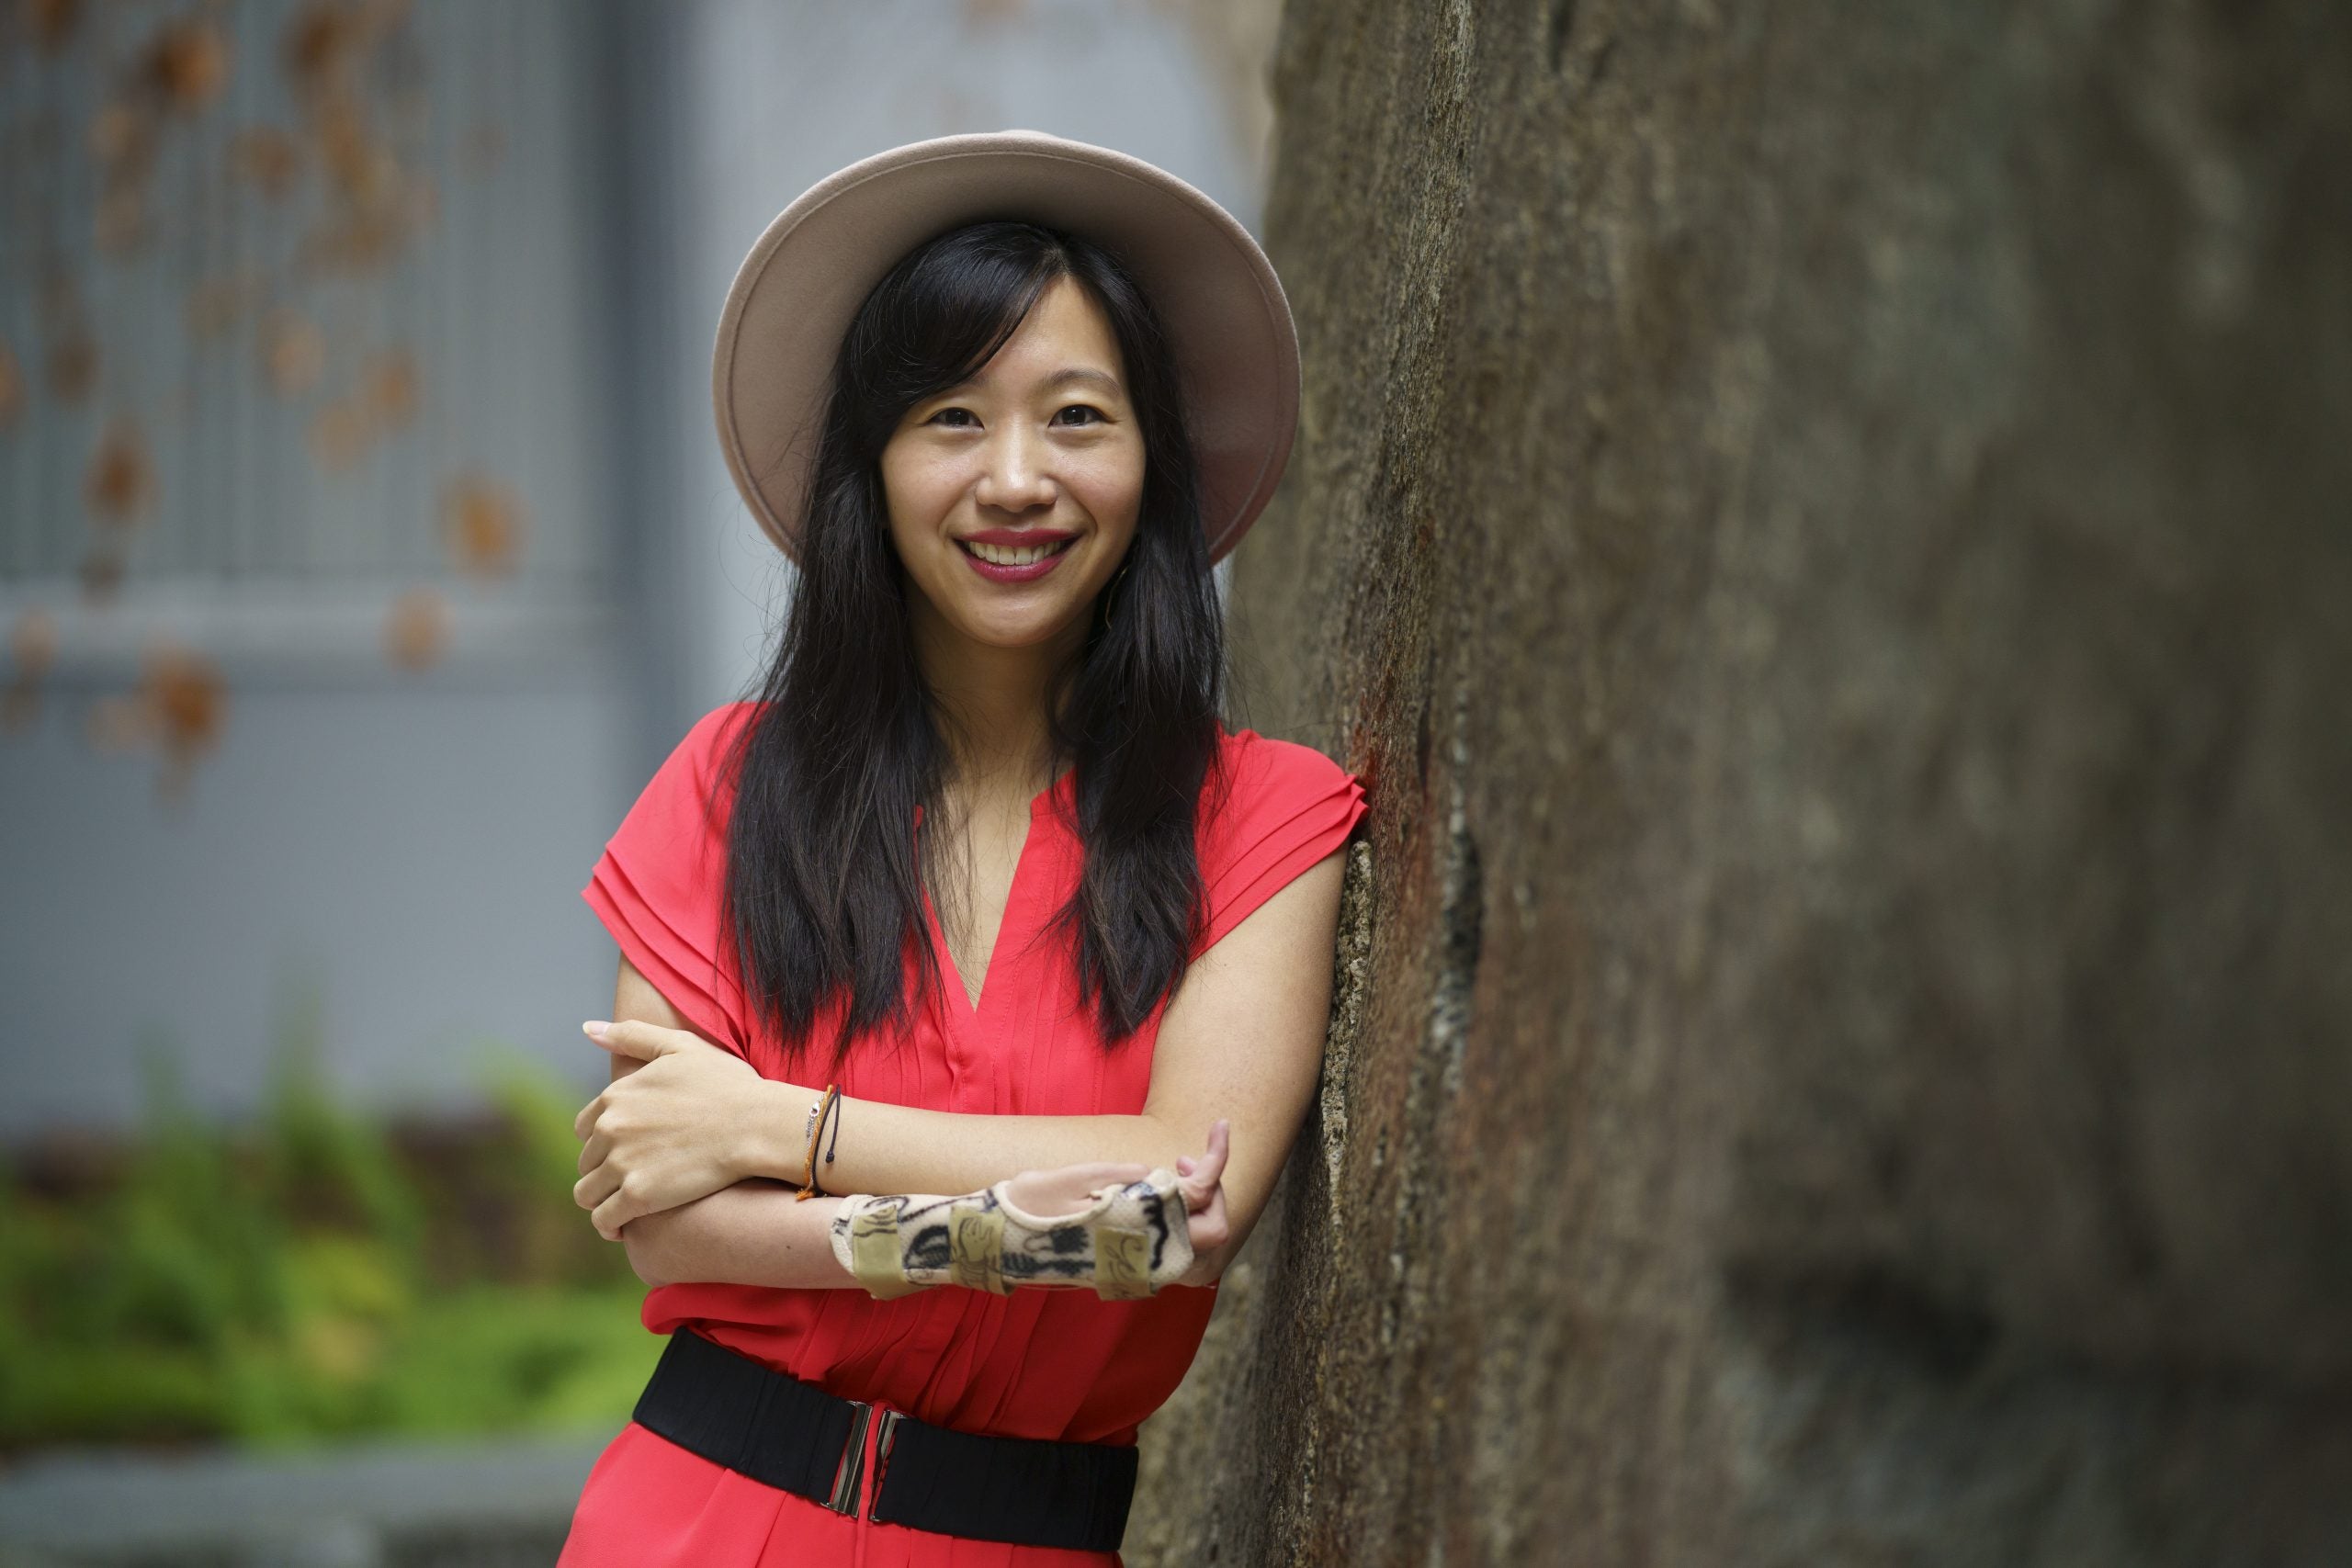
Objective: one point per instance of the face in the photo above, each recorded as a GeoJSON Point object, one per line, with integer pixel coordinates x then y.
{"type": "Point", "coordinates": [1013, 497]}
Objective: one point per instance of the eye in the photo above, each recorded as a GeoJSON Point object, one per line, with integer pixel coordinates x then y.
{"type": "Point", "coordinates": [943, 413]}
{"type": "Point", "coordinates": [1082, 407]}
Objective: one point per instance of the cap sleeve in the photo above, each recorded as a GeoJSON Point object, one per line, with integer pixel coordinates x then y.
{"type": "Point", "coordinates": [657, 885]}
{"type": "Point", "coordinates": [1286, 806]}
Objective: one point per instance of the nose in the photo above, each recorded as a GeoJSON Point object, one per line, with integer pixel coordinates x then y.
{"type": "Point", "coordinates": [1014, 476]}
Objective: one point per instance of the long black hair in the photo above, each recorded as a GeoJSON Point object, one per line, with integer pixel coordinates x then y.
{"type": "Point", "coordinates": [825, 879]}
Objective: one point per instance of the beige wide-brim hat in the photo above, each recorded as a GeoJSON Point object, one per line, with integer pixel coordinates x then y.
{"type": "Point", "coordinates": [1219, 300]}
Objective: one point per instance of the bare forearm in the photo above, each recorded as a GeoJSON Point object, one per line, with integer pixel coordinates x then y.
{"type": "Point", "coordinates": [883, 1148]}
{"type": "Point", "coordinates": [754, 1233]}
{"type": "Point", "coordinates": [759, 1232]}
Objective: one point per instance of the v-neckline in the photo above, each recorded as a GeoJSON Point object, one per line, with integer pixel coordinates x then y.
{"type": "Point", "coordinates": [970, 1009]}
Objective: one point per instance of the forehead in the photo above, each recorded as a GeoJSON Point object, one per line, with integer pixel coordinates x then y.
{"type": "Point", "coordinates": [1065, 338]}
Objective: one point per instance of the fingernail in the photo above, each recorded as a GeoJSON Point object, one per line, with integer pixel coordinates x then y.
{"type": "Point", "coordinates": [596, 1028]}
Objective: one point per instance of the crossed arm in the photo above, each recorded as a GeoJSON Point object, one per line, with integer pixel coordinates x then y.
{"type": "Point", "coordinates": [1241, 1041]}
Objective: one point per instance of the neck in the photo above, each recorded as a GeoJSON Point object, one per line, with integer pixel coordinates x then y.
{"type": "Point", "coordinates": [995, 700]}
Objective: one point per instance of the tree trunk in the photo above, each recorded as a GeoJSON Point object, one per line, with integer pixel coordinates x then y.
{"type": "Point", "coordinates": [1827, 532]}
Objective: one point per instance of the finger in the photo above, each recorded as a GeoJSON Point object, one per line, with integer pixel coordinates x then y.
{"type": "Point", "coordinates": [632, 1037]}
{"type": "Point", "coordinates": [611, 1214]}
{"type": "Point", "coordinates": [592, 1153]}
{"type": "Point", "coordinates": [1206, 1172]}
{"type": "Point", "coordinates": [1202, 1203]}
{"type": "Point", "coordinates": [1200, 1183]}
{"type": "Point", "coordinates": [1197, 1197]}
{"type": "Point", "coordinates": [595, 1186]}
{"type": "Point", "coordinates": [1210, 1227]}
{"type": "Point", "coordinates": [585, 1122]}
{"type": "Point", "coordinates": [1212, 1166]}
{"type": "Point", "coordinates": [1183, 1164]}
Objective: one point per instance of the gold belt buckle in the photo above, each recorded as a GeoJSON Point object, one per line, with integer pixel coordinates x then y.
{"type": "Point", "coordinates": [852, 1468]}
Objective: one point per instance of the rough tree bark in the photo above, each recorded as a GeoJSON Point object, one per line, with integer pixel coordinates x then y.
{"type": "Point", "coordinates": [1828, 532]}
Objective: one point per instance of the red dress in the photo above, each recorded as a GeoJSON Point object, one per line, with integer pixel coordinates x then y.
{"type": "Point", "coordinates": [1061, 1364]}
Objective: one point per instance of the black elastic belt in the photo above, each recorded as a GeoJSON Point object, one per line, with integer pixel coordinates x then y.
{"type": "Point", "coordinates": [793, 1435]}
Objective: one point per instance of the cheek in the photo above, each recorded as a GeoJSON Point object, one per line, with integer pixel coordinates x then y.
{"type": "Point", "coordinates": [1110, 487]}
{"type": "Point", "coordinates": [919, 492]}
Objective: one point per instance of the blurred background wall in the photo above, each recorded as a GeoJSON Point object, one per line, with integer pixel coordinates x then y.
{"type": "Point", "coordinates": [363, 544]}
{"type": "Point", "coordinates": [364, 547]}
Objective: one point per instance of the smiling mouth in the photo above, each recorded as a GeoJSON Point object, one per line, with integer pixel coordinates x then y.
{"type": "Point", "coordinates": [1013, 554]}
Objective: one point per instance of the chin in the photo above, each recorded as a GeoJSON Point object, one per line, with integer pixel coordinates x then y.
{"type": "Point", "coordinates": [1018, 631]}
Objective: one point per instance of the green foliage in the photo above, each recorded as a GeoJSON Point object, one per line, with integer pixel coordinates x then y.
{"type": "Point", "coordinates": [300, 1278]}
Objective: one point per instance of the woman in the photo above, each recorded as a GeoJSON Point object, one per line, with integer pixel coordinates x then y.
{"type": "Point", "coordinates": [979, 896]}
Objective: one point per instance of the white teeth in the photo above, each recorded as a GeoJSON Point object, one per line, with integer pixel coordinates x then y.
{"type": "Point", "coordinates": [1004, 555]}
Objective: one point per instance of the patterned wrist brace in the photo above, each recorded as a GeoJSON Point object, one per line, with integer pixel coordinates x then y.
{"type": "Point", "coordinates": [1129, 1243]}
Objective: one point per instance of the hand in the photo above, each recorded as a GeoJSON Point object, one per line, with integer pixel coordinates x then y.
{"type": "Point", "coordinates": [1069, 1188]}
{"type": "Point", "coordinates": [1202, 1181]}
{"type": "Point", "coordinates": [670, 1132]}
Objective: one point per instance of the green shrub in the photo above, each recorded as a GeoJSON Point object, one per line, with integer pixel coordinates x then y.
{"type": "Point", "coordinates": [302, 1276]}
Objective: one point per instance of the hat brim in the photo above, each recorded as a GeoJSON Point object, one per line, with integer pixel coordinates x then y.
{"type": "Point", "coordinates": [1221, 307]}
